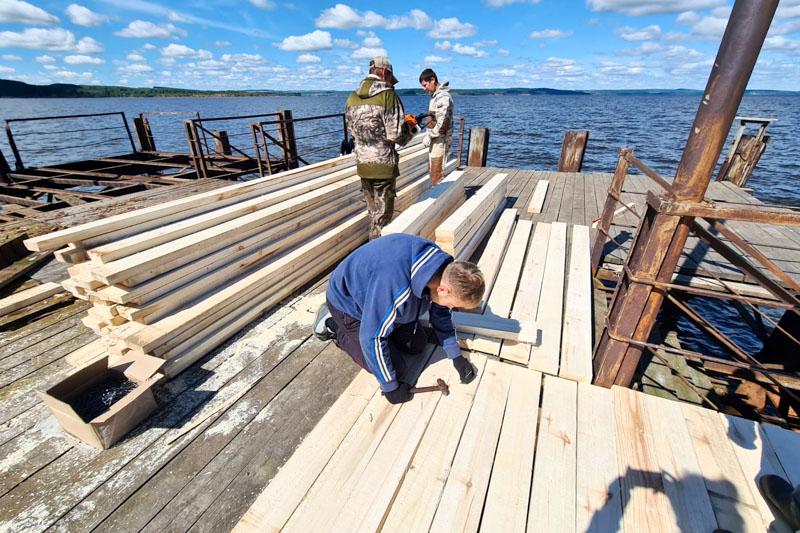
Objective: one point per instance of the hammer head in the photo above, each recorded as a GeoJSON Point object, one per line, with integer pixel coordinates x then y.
{"type": "Point", "coordinates": [443, 386]}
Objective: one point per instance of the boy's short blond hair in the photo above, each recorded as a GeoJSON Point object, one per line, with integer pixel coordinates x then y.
{"type": "Point", "coordinates": [466, 281]}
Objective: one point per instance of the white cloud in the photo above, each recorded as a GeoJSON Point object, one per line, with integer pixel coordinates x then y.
{"type": "Point", "coordinates": [11, 57]}
{"type": "Point", "coordinates": [25, 13]}
{"type": "Point", "coordinates": [368, 53]}
{"type": "Point", "coordinates": [451, 28]}
{"type": "Point", "coordinates": [415, 19]}
{"type": "Point", "coordinates": [781, 44]}
{"type": "Point", "coordinates": [561, 67]}
{"type": "Point", "coordinates": [371, 40]}
{"type": "Point", "coordinates": [49, 39]}
{"type": "Point", "coordinates": [221, 44]}
{"type": "Point", "coordinates": [308, 58]}
{"type": "Point", "coordinates": [345, 43]}
{"type": "Point", "coordinates": [51, 67]}
{"type": "Point", "coordinates": [637, 8]}
{"type": "Point", "coordinates": [348, 69]}
{"type": "Point", "coordinates": [138, 68]}
{"type": "Point", "coordinates": [83, 16]}
{"type": "Point", "coordinates": [643, 34]}
{"type": "Point", "coordinates": [550, 34]}
{"type": "Point", "coordinates": [133, 56]}
{"type": "Point", "coordinates": [174, 16]}
{"type": "Point", "coordinates": [83, 60]}
{"type": "Point", "coordinates": [507, 73]}
{"type": "Point", "coordinates": [468, 51]}
{"type": "Point", "coordinates": [688, 18]}
{"type": "Point", "coordinates": [264, 4]}
{"type": "Point", "coordinates": [485, 43]}
{"type": "Point", "coordinates": [143, 29]}
{"type": "Point", "coordinates": [316, 40]}
{"type": "Point", "coordinates": [645, 49]}
{"type": "Point", "coordinates": [68, 75]}
{"type": "Point", "coordinates": [344, 17]}
{"type": "Point", "coordinates": [184, 52]}
{"type": "Point", "coordinates": [444, 46]}
{"type": "Point", "coordinates": [436, 59]}
{"type": "Point", "coordinates": [148, 46]}
{"type": "Point", "coordinates": [608, 67]}
{"type": "Point", "coordinates": [502, 52]}
{"type": "Point", "coordinates": [45, 59]}
{"type": "Point", "coordinates": [6, 70]}
{"type": "Point", "coordinates": [678, 54]}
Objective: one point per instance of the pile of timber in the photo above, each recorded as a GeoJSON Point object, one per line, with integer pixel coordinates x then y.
{"type": "Point", "coordinates": [177, 279]}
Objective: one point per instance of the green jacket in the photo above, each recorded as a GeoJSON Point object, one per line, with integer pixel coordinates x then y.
{"type": "Point", "coordinates": [375, 118]}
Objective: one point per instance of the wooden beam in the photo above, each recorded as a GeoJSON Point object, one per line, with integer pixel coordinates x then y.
{"type": "Point", "coordinates": [492, 256]}
{"type": "Point", "coordinates": [537, 199]}
{"type": "Point", "coordinates": [572, 149]}
{"type": "Point", "coordinates": [21, 299]}
{"type": "Point", "coordinates": [431, 205]}
{"type": "Point", "coordinates": [576, 348]}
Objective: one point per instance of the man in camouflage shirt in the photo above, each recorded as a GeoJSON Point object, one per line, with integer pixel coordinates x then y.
{"type": "Point", "coordinates": [375, 118]}
{"type": "Point", "coordinates": [440, 126]}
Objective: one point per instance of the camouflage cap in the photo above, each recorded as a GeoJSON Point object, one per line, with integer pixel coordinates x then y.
{"type": "Point", "coordinates": [383, 62]}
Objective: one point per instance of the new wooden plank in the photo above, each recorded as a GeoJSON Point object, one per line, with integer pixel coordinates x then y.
{"type": "Point", "coordinates": [786, 444]}
{"type": "Point", "coordinates": [430, 205]}
{"type": "Point", "coordinates": [680, 471]}
{"type": "Point", "coordinates": [553, 490]}
{"type": "Point", "coordinates": [576, 348]}
{"type": "Point", "coordinates": [502, 297]}
{"type": "Point", "coordinates": [506, 507]}
{"type": "Point", "coordinates": [730, 491]}
{"type": "Point", "coordinates": [364, 507]}
{"type": "Point", "coordinates": [491, 258]}
{"type": "Point", "coordinates": [537, 200]}
{"type": "Point", "coordinates": [494, 326]}
{"type": "Point", "coordinates": [466, 250]}
{"type": "Point", "coordinates": [352, 455]}
{"type": "Point", "coordinates": [416, 501]}
{"type": "Point", "coordinates": [598, 498]}
{"type": "Point", "coordinates": [757, 458]}
{"type": "Point", "coordinates": [545, 356]}
{"type": "Point", "coordinates": [644, 500]}
{"type": "Point", "coordinates": [526, 302]}
{"type": "Point", "coordinates": [465, 217]}
{"type": "Point", "coordinates": [464, 492]}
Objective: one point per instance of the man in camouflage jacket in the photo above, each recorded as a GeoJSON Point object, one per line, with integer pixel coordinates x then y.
{"type": "Point", "coordinates": [375, 118]}
{"type": "Point", "coordinates": [440, 126]}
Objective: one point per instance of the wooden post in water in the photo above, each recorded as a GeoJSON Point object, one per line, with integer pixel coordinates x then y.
{"type": "Point", "coordinates": [143, 134]}
{"type": "Point", "coordinates": [478, 147]}
{"type": "Point", "coordinates": [4, 169]}
{"type": "Point", "coordinates": [288, 142]}
{"type": "Point", "coordinates": [572, 149]}
{"type": "Point", "coordinates": [221, 144]}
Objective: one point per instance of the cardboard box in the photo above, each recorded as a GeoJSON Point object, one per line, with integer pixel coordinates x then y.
{"type": "Point", "coordinates": [123, 415]}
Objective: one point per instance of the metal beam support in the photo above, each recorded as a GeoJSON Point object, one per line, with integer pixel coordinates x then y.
{"type": "Point", "coordinates": [661, 238]}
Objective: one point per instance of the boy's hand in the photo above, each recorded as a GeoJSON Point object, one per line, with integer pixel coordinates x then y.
{"type": "Point", "coordinates": [465, 369]}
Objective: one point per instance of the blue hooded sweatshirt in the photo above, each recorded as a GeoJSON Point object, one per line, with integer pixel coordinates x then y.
{"type": "Point", "coordinates": [384, 284]}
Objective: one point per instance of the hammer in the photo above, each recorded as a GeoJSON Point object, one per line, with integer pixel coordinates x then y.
{"type": "Point", "coordinates": [440, 386]}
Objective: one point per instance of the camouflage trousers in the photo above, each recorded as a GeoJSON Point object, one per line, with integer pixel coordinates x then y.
{"type": "Point", "coordinates": [379, 195]}
{"type": "Point", "coordinates": [438, 151]}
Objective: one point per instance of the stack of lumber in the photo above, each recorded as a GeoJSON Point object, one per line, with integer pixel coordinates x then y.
{"type": "Point", "coordinates": [462, 232]}
{"type": "Point", "coordinates": [177, 279]}
{"type": "Point", "coordinates": [432, 209]}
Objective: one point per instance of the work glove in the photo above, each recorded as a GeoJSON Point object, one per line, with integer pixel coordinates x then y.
{"type": "Point", "coordinates": [426, 141]}
{"type": "Point", "coordinates": [400, 395]}
{"type": "Point", "coordinates": [465, 369]}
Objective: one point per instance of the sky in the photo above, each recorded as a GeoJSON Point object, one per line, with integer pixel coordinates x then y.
{"type": "Point", "coordinates": [321, 45]}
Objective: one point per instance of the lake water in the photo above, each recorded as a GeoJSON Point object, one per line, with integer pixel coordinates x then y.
{"type": "Point", "coordinates": [526, 132]}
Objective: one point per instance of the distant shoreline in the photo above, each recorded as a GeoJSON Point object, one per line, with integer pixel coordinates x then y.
{"type": "Point", "coordinates": [18, 89]}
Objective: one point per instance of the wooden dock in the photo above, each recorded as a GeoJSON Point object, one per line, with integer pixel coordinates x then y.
{"type": "Point", "coordinates": [487, 457]}
{"type": "Point", "coordinates": [208, 478]}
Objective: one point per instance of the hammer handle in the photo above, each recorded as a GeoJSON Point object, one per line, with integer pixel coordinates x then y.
{"type": "Point", "coordinates": [432, 388]}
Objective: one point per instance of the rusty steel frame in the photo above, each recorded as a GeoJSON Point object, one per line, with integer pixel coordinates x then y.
{"type": "Point", "coordinates": [660, 239]}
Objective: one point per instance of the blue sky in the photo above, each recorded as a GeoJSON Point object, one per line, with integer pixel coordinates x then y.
{"type": "Point", "coordinates": [270, 44]}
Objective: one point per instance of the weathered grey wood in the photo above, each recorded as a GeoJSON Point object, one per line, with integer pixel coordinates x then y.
{"type": "Point", "coordinates": [478, 147]}
{"type": "Point", "coordinates": [572, 149]}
